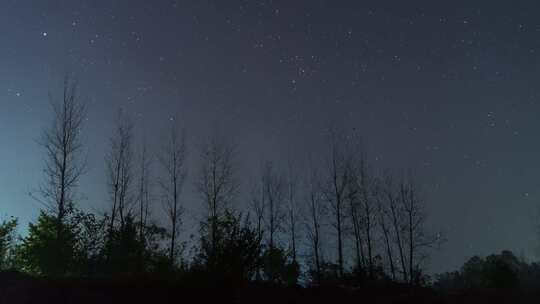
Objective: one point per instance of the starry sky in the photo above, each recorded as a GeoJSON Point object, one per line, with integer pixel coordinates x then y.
{"type": "Point", "coordinates": [448, 90]}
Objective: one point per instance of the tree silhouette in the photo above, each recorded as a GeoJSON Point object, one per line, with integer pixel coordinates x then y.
{"type": "Point", "coordinates": [257, 205]}
{"type": "Point", "coordinates": [173, 162]}
{"type": "Point", "coordinates": [273, 187]}
{"type": "Point", "coordinates": [384, 220]}
{"type": "Point", "coordinates": [63, 164]}
{"type": "Point", "coordinates": [293, 210]}
{"type": "Point", "coordinates": [144, 195]}
{"type": "Point", "coordinates": [216, 183]}
{"type": "Point", "coordinates": [377, 223]}
{"type": "Point", "coordinates": [229, 248]}
{"type": "Point", "coordinates": [397, 222]}
{"type": "Point", "coordinates": [336, 184]}
{"type": "Point", "coordinates": [8, 238]}
{"type": "Point", "coordinates": [119, 169]}
{"type": "Point", "coordinates": [40, 249]}
{"type": "Point", "coordinates": [313, 222]}
{"type": "Point", "coordinates": [278, 268]}
{"type": "Point", "coordinates": [417, 238]}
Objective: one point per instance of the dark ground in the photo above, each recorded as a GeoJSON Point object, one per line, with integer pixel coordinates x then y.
{"type": "Point", "coordinates": [16, 288]}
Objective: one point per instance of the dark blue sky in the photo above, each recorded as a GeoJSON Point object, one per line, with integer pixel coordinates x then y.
{"type": "Point", "coordinates": [449, 91]}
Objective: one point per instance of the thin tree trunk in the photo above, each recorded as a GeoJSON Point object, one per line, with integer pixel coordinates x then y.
{"type": "Point", "coordinates": [293, 235]}
{"type": "Point", "coordinates": [398, 240]}
{"type": "Point", "coordinates": [359, 251]}
{"type": "Point", "coordinates": [388, 248]}
{"type": "Point", "coordinates": [316, 237]}
{"type": "Point", "coordinates": [174, 214]}
{"type": "Point", "coordinates": [340, 243]}
{"type": "Point", "coordinates": [411, 237]}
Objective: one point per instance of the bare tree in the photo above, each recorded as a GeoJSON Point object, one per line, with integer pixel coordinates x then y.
{"type": "Point", "coordinates": [384, 222]}
{"type": "Point", "coordinates": [336, 185]}
{"type": "Point", "coordinates": [357, 224]}
{"type": "Point", "coordinates": [313, 222]}
{"type": "Point", "coordinates": [144, 191]}
{"type": "Point", "coordinates": [292, 210]}
{"type": "Point", "coordinates": [363, 209]}
{"type": "Point", "coordinates": [273, 186]}
{"type": "Point", "coordinates": [119, 168]}
{"type": "Point", "coordinates": [216, 183]}
{"type": "Point", "coordinates": [63, 164]}
{"type": "Point", "coordinates": [417, 239]}
{"type": "Point", "coordinates": [173, 162]}
{"type": "Point", "coordinates": [395, 212]}
{"type": "Point", "coordinates": [257, 204]}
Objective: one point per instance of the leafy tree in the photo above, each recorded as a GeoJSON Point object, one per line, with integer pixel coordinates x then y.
{"type": "Point", "coordinates": [229, 248]}
{"type": "Point", "coordinates": [501, 271]}
{"type": "Point", "coordinates": [279, 268]}
{"type": "Point", "coordinates": [497, 271]}
{"type": "Point", "coordinates": [78, 253]}
{"type": "Point", "coordinates": [473, 272]}
{"type": "Point", "coordinates": [90, 233]}
{"type": "Point", "coordinates": [124, 248]}
{"type": "Point", "coordinates": [8, 244]}
{"type": "Point", "coordinates": [42, 253]}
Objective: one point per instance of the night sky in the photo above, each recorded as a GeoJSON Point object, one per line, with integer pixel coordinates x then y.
{"type": "Point", "coordinates": [450, 91]}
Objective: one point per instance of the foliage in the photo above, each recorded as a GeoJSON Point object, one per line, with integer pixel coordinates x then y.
{"type": "Point", "coordinates": [278, 268]}
{"type": "Point", "coordinates": [497, 271]}
{"type": "Point", "coordinates": [235, 253]}
{"type": "Point", "coordinates": [127, 253]}
{"type": "Point", "coordinates": [42, 253]}
{"type": "Point", "coordinates": [90, 238]}
{"type": "Point", "coordinates": [8, 244]}
{"type": "Point", "coordinates": [84, 249]}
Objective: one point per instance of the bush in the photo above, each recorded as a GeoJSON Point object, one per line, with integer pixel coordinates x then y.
{"type": "Point", "coordinates": [234, 254]}
{"type": "Point", "coordinates": [126, 253]}
{"type": "Point", "coordinates": [278, 268]}
{"type": "Point", "coordinates": [42, 253]}
{"type": "Point", "coordinates": [496, 271]}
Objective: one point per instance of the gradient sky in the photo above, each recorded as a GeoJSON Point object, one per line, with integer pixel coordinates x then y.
{"type": "Point", "coordinates": [450, 91]}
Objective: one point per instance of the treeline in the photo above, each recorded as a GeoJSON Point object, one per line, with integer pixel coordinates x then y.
{"type": "Point", "coordinates": [503, 271]}
{"type": "Point", "coordinates": [341, 222]}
